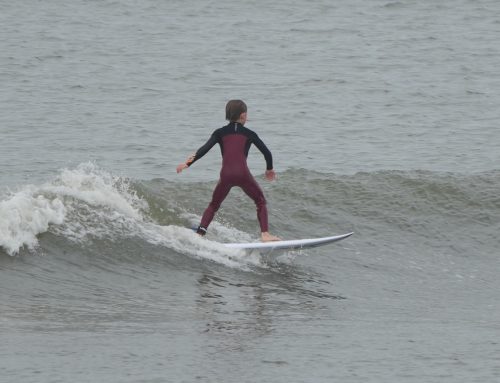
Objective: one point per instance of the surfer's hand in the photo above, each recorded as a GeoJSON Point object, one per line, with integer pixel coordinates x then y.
{"type": "Point", "coordinates": [270, 175]}
{"type": "Point", "coordinates": [186, 164]}
{"type": "Point", "coordinates": [181, 167]}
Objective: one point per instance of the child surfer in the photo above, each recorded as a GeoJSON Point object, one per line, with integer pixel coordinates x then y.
{"type": "Point", "coordinates": [235, 141]}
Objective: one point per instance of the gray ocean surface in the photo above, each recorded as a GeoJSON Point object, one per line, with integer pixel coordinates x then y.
{"type": "Point", "coordinates": [382, 117]}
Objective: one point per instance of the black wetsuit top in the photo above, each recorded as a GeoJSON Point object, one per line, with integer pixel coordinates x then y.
{"type": "Point", "coordinates": [235, 141]}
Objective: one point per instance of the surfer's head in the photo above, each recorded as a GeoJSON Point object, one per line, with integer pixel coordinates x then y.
{"type": "Point", "coordinates": [234, 110]}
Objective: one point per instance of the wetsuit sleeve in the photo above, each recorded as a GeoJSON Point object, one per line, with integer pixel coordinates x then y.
{"type": "Point", "coordinates": [264, 150]}
{"type": "Point", "coordinates": [214, 138]}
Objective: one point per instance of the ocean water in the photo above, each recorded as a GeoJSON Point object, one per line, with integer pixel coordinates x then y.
{"type": "Point", "coordinates": [382, 117]}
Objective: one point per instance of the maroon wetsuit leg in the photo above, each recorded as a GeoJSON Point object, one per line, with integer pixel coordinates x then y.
{"type": "Point", "coordinates": [219, 195]}
{"type": "Point", "coordinates": [253, 190]}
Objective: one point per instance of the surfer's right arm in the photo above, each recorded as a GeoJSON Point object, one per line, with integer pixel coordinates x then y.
{"type": "Point", "coordinates": [214, 138]}
{"type": "Point", "coordinates": [270, 174]}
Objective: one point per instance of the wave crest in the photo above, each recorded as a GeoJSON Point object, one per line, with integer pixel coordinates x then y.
{"type": "Point", "coordinates": [69, 202]}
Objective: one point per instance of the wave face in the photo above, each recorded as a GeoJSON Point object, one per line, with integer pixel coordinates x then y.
{"type": "Point", "coordinates": [419, 211]}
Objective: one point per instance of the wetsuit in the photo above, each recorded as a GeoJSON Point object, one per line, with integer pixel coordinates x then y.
{"type": "Point", "coordinates": [235, 141]}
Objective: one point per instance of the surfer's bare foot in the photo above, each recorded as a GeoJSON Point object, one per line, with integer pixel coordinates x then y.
{"type": "Point", "coordinates": [201, 231]}
{"type": "Point", "coordinates": [266, 237]}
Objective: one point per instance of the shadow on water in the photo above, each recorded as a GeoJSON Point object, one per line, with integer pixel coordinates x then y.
{"type": "Point", "coordinates": [250, 305]}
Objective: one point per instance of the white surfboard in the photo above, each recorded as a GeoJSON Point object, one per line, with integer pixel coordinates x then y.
{"type": "Point", "coordinates": [293, 244]}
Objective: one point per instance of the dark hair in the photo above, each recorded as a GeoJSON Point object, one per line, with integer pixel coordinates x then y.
{"type": "Point", "coordinates": [234, 109]}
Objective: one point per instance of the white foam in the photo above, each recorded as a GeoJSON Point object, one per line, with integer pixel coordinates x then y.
{"type": "Point", "coordinates": [78, 203]}
{"type": "Point", "coordinates": [25, 215]}
{"type": "Point", "coordinates": [184, 241]}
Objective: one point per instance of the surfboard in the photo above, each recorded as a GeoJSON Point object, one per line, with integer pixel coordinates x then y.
{"type": "Point", "coordinates": [293, 244]}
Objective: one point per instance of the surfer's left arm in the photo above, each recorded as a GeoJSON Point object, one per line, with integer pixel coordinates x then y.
{"type": "Point", "coordinates": [199, 153]}
{"type": "Point", "coordinates": [186, 164]}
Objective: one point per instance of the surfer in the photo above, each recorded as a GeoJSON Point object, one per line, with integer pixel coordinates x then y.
{"type": "Point", "coordinates": [235, 141]}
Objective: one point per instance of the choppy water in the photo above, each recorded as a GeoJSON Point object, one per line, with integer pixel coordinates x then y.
{"type": "Point", "coordinates": [382, 118]}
